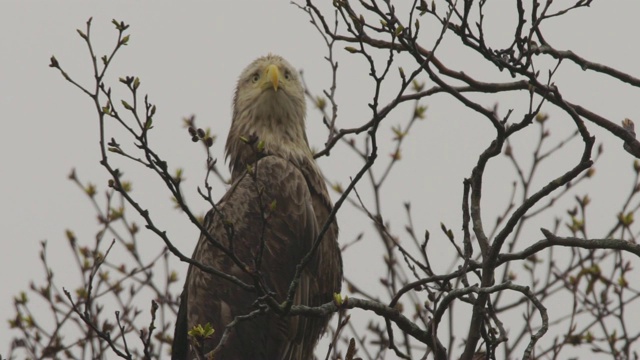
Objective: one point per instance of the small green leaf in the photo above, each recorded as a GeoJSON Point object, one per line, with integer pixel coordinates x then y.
{"type": "Point", "coordinates": [623, 282]}
{"type": "Point", "coordinates": [22, 299]}
{"type": "Point", "coordinates": [126, 186]}
{"type": "Point", "coordinates": [70, 236]}
{"type": "Point", "coordinates": [541, 117]}
{"type": "Point", "coordinates": [173, 277]}
{"type": "Point", "coordinates": [201, 331]}
{"type": "Point", "coordinates": [588, 337]}
{"type": "Point", "coordinates": [417, 86]}
{"type": "Point", "coordinates": [337, 299]}
{"type": "Point", "coordinates": [126, 105]}
{"type": "Point", "coordinates": [576, 224]}
{"type": "Point", "coordinates": [399, 30]}
{"type": "Point", "coordinates": [626, 219]}
{"type": "Point", "coordinates": [81, 293]}
{"type": "Point", "coordinates": [398, 133]}
{"type": "Point", "coordinates": [90, 190]}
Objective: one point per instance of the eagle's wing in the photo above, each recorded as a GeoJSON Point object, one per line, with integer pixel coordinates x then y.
{"type": "Point", "coordinates": [180, 347]}
{"type": "Point", "coordinates": [271, 205]}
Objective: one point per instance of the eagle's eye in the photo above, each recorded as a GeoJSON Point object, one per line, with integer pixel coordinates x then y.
{"type": "Point", "coordinates": [287, 75]}
{"type": "Point", "coordinates": [255, 77]}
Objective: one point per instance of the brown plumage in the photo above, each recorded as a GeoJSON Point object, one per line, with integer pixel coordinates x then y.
{"type": "Point", "coordinates": [283, 184]}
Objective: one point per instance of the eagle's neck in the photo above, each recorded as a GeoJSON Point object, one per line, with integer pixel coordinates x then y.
{"type": "Point", "coordinates": [286, 144]}
{"type": "Point", "coordinates": [278, 122]}
{"type": "Point", "coordinates": [282, 138]}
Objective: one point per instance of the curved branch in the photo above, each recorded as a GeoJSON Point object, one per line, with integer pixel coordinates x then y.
{"type": "Point", "coordinates": [553, 240]}
{"type": "Point", "coordinates": [392, 314]}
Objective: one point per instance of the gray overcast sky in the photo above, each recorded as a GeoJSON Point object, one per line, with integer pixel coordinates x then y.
{"type": "Point", "coordinates": [188, 56]}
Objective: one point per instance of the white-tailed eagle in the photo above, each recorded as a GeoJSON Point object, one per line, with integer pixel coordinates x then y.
{"type": "Point", "coordinates": [270, 217]}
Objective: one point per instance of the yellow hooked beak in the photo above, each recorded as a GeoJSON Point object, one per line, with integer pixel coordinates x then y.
{"type": "Point", "coordinates": [273, 75]}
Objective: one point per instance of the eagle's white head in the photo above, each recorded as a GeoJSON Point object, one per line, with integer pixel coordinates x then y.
{"type": "Point", "coordinates": [269, 103]}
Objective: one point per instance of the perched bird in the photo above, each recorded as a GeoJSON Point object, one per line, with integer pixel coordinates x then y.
{"type": "Point", "coordinates": [270, 217]}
